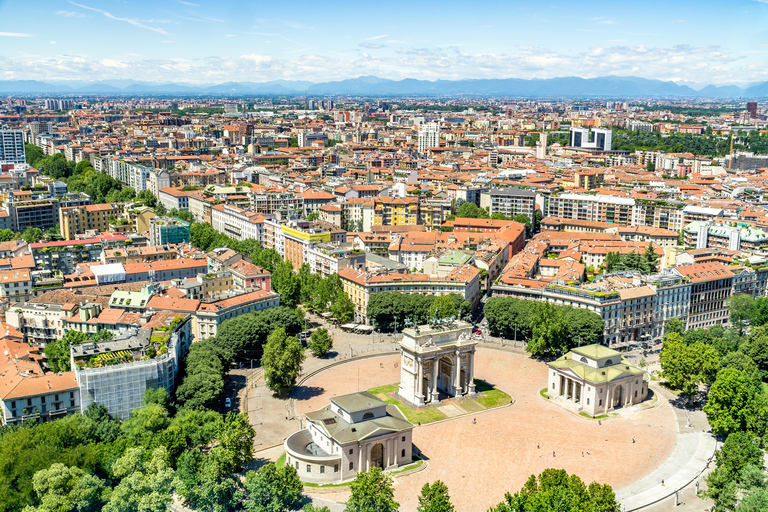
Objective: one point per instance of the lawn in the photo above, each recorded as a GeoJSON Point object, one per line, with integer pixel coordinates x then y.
{"type": "Point", "coordinates": [280, 462]}
{"type": "Point", "coordinates": [490, 397]}
{"type": "Point", "coordinates": [544, 394]}
{"type": "Point", "coordinates": [598, 417]}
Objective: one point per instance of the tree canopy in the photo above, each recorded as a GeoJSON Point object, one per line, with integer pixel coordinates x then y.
{"type": "Point", "coordinates": [282, 360]}
{"type": "Point", "coordinates": [554, 489]}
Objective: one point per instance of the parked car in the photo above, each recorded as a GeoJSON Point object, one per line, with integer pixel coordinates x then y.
{"type": "Point", "coordinates": [227, 403]}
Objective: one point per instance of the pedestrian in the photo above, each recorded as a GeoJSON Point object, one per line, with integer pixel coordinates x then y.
{"type": "Point", "coordinates": [582, 454]}
{"type": "Point", "coordinates": [587, 451]}
{"type": "Point", "coordinates": [662, 483]}
{"type": "Point", "coordinates": [538, 446]}
{"type": "Point", "coordinates": [553, 453]}
{"type": "Point", "coordinates": [599, 422]}
{"type": "Point", "coordinates": [474, 420]}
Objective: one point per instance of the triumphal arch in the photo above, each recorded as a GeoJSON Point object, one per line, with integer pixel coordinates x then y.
{"type": "Point", "coordinates": [437, 361]}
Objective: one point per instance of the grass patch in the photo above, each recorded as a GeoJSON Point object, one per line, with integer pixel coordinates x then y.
{"type": "Point", "coordinates": [409, 467]}
{"type": "Point", "coordinates": [493, 398]}
{"type": "Point", "coordinates": [311, 484]}
{"type": "Point", "coordinates": [470, 406]}
{"type": "Point", "coordinates": [544, 394]}
{"type": "Point", "coordinates": [416, 417]}
{"type": "Point", "coordinates": [280, 462]}
{"type": "Point", "coordinates": [598, 417]}
{"type": "Point", "coordinates": [666, 385]}
{"type": "Point", "coordinates": [389, 388]}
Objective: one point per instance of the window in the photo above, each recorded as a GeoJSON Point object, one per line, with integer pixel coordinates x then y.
{"type": "Point", "coordinates": [403, 438]}
{"type": "Point", "coordinates": [309, 468]}
{"type": "Point", "coordinates": [350, 451]}
{"type": "Point", "coordinates": [335, 468]}
{"type": "Point", "coordinates": [351, 465]}
{"type": "Point", "coordinates": [587, 401]}
{"type": "Point", "coordinates": [367, 416]}
{"type": "Point", "coordinates": [297, 465]}
{"type": "Point", "coordinates": [635, 393]}
{"type": "Point", "coordinates": [402, 452]}
{"type": "Point", "coordinates": [600, 404]}
{"type": "Point", "coordinates": [322, 469]}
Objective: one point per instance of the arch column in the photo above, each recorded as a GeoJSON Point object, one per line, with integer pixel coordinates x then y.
{"type": "Point", "coordinates": [471, 373]}
{"type": "Point", "coordinates": [420, 381]}
{"type": "Point", "coordinates": [435, 373]}
{"type": "Point", "coordinates": [457, 375]}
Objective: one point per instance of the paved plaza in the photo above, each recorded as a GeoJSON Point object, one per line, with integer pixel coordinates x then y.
{"type": "Point", "coordinates": [480, 462]}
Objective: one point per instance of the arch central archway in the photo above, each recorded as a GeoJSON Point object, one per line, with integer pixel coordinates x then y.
{"type": "Point", "coordinates": [617, 392]}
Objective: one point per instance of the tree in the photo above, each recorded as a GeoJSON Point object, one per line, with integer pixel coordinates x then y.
{"type": "Point", "coordinates": [371, 491]}
{"type": "Point", "coordinates": [235, 437]}
{"type": "Point", "coordinates": [272, 489]}
{"type": "Point", "coordinates": [160, 209]}
{"type": "Point", "coordinates": [686, 366]}
{"type": "Point", "coordinates": [674, 325]}
{"type": "Point", "coordinates": [757, 349]}
{"type": "Point", "coordinates": [309, 507]}
{"type": "Point", "coordinates": [282, 360]}
{"type": "Point", "coordinates": [145, 423]}
{"type": "Point", "coordinates": [650, 166]}
{"type": "Point", "coordinates": [554, 489]}
{"type": "Point", "coordinates": [651, 258]}
{"type": "Point", "coordinates": [471, 211]}
{"type": "Point", "coordinates": [67, 488]}
{"type": "Point", "coordinates": [548, 330]}
{"type": "Point", "coordinates": [734, 462]}
{"type": "Point", "coordinates": [321, 342]}
{"type": "Point", "coordinates": [435, 498]}
{"type": "Point", "coordinates": [57, 352]}
{"type": "Point", "coordinates": [611, 262]}
{"type": "Point", "coordinates": [742, 306]}
{"type": "Point", "coordinates": [287, 283]}
{"type": "Point", "coordinates": [33, 154]}
{"type": "Point", "coordinates": [735, 404]}
{"type": "Point", "coordinates": [145, 482]}
{"type": "Point", "coordinates": [148, 198]}
{"type": "Point", "coordinates": [32, 235]}
{"type": "Point", "coordinates": [342, 308]}
{"type": "Point", "coordinates": [442, 307]}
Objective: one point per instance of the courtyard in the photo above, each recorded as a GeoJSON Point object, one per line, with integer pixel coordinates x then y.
{"type": "Point", "coordinates": [499, 451]}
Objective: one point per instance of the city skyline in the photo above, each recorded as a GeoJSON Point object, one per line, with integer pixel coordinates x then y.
{"type": "Point", "coordinates": [202, 42]}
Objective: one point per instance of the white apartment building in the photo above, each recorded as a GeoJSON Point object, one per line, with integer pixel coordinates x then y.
{"type": "Point", "coordinates": [429, 136]}
{"type": "Point", "coordinates": [12, 147]}
{"type": "Point", "coordinates": [237, 223]}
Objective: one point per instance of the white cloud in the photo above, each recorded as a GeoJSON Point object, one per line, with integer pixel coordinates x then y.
{"type": "Point", "coordinates": [182, 2]}
{"type": "Point", "coordinates": [15, 34]}
{"type": "Point", "coordinates": [372, 46]}
{"type": "Point", "coordinates": [135, 23]}
{"type": "Point", "coordinates": [71, 14]}
{"type": "Point", "coordinates": [376, 37]}
{"type": "Point", "coordinates": [705, 64]}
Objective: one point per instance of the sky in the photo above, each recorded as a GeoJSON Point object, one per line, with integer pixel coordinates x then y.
{"type": "Point", "coordinates": [206, 42]}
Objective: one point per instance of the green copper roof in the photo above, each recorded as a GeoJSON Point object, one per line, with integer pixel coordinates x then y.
{"type": "Point", "coordinates": [596, 351]}
{"type": "Point", "coordinates": [455, 258]}
{"type": "Point", "coordinates": [343, 433]}
{"type": "Point", "coordinates": [356, 402]}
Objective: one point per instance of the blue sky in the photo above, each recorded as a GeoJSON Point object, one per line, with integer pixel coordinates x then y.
{"type": "Point", "coordinates": [203, 41]}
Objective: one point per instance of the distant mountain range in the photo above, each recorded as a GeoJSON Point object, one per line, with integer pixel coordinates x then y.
{"type": "Point", "coordinates": [607, 86]}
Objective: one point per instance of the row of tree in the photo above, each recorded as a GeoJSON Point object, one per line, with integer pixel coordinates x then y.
{"type": "Point", "coordinates": [731, 367]}
{"type": "Point", "coordinates": [392, 310]}
{"type": "Point", "coordinates": [548, 329]}
{"type": "Point", "coordinates": [469, 210]}
{"type": "Point", "coordinates": [646, 262]}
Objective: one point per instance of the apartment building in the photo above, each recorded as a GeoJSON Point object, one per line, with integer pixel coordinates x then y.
{"type": "Point", "coordinates": [706, 235]}
{"type": "Point", "coordinates": [27, 393]}
{"type": "Point", "coordinates": [237, 223]}
{"type": "Point", "coordinates": [509, 202]}
{"type": "Point", "coordinates": [658, 214]}
{"type": "Point", "coordinates": [15, 285]}
{"type": "Point", "coordinates": [359, 286]}
{"type": "Point", "coordinates": [210, 315]}
{"type": "Point", "coordinates": [200, 206]}
{"type": "Point", "coordinates": [76, 220]}
{"type": "Point", "coordinates": [40, 324]}
{"type": "Point", "coordinates": [247, 276]}
{"type": "Point", "coordinates": [271, 202]}
{"type": "Point", "coordinates": [174, 197]}
{"type": "Point", "coordinates": [710, 290]}
{"type": "Point", "coordinates": [673, 298]}
{"type": "Point", "coordinates": [168, 230]}
{"type": "Point", "coordinates": [12, 147]}
{"type": "Point", "coordinates": [600, 208]}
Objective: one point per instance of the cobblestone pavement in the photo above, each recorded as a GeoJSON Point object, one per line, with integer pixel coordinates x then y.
{"type": "Point", "coordinates": [480, 462]}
